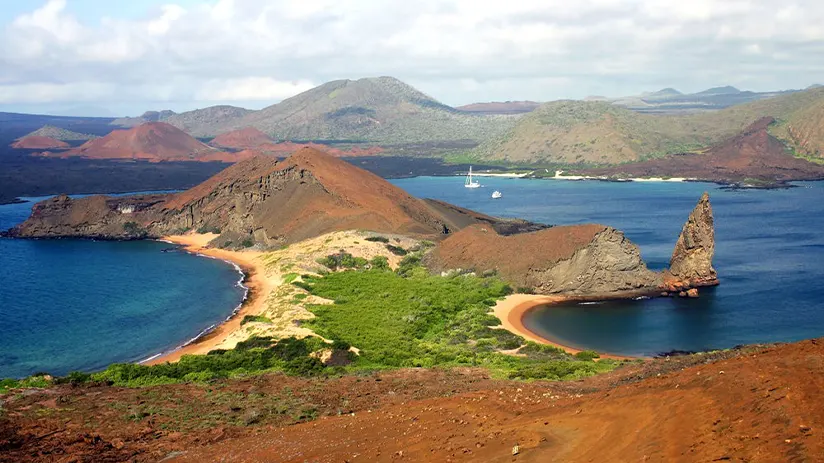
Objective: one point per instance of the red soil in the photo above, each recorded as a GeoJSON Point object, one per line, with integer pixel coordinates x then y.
{"type": "Point", "coordinates": [248, 138]}
{"type": "Point", "coordinates": [152, 141]}
{"type": "Point", "coordinates": [765, 406]}
{"type": "Point", "coordinates": [36, 142]}
{"type": "Point", "coordinates": [760, 404]}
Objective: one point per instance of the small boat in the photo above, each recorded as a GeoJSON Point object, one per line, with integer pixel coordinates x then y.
{"type": "Point", "coordinates": [496, 194]}
{"type": "Point", "coordinates": [469, 183]}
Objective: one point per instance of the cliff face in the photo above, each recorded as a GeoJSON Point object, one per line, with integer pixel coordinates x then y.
{"type": "Point", "coordinates": [581, 260]}
{"type": "Point", "coordinates": [100, 217]}
{"type": "Point", "coordinates": [691, 262]}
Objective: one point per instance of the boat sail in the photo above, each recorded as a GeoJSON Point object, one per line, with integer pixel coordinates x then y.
{"type": "Point", "coordinates": [469, 183]}
{"type": "Point", "coordinates": [496, 194]}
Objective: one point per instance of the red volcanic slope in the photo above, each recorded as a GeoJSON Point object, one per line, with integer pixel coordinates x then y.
{"type": "Point", "coordinates": [37, 142]}
{"type": "Point", "coordinates": [243, 139]}
{"type": "Point", "coordinates": [153, 141]}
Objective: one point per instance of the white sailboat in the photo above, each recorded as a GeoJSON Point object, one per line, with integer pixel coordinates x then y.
{"type": "Point", "coordinates": [496, 194]}
{"type": "Point", "coordinates": [469, 183]}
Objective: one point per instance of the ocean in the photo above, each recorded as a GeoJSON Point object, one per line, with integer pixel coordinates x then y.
{"type": "Point", "coordinates": [80, 305]}
{"type": "Point", "coordinates": [769, 254]}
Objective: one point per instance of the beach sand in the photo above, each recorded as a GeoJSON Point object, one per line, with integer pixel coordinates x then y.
{"type": "Point", "coordinates": [259, 286]}
{"type": "Point", "coordinates": [511, 310]}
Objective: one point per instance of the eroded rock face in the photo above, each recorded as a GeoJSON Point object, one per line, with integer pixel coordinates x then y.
{"type": "Point", "coordinates": [610, 264]}
{"type": "Point", "coordinates": [691, 263]}
{"type": "Point", "coordinates": [587, 260]}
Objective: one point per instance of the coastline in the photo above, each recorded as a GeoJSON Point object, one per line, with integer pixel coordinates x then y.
{"type": "Point", "coordinates": [257, 286]}
{"type": "Point", "coordinates": [511, 311]}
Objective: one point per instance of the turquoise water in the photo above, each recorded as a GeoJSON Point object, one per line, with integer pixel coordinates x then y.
{"type": "Point", "coordinates": [81, 305]}
{"type": "Point", "coordinates": [769, 254]}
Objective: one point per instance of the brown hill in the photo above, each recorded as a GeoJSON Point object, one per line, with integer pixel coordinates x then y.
{"type": "Point", "coordinates": [261, 200]}
{"type": "Point", "coordinates": [35, 142]}
{"type": "Point", "coordinates": [247, 138]}
{"type": "Point", "coordinates": [753, 155]}
{"type": "Point", "coordinates": [152, 141]}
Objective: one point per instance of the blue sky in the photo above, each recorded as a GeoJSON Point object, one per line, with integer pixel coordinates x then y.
{"type": "Point", "coordinates": [125, 57]}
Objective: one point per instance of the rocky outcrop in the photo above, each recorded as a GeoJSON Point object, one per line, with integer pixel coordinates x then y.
{"type": "Point", "coordinates": [587, 261]}
{"type": "Point", "coordinates": [579, 260]}
{"type": "Point", "coordinates": [691, 263]}
{"type": "Point", "coordinates": [99, 217]}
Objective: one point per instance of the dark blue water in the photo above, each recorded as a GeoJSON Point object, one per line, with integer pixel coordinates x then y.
{"type": "Point", "coordinates": [769, 257]}
{"type": "Point", "coordinates": [81, 305]}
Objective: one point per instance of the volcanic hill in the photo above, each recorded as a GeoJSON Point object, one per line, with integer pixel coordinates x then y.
{"type": "Point", "coordinates": [264, 201]}
{"type": "Point", "coordinates": [57, 133]}
{"type": "Point", "coordinates": [152, 141]}
{"type": "Point", "coordinates": [379, 109]}
{"type": "Point", "coordinates": [36, 142]}
{"type": "Point", "coordinates": [753, 156]}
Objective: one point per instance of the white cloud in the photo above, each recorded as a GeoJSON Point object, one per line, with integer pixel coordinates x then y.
{"type": "Point", "coordinates": [250, 89]}
{"type": "Point", "coordinates": [458, 51]}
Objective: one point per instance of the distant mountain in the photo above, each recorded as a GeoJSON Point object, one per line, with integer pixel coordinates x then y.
{"type": "Point", "coordinates": [208, 122]}
{"type": "Point", "coordinates": [57, 133]}
{"type": "Point", "coordinates": [580, 132]}
{"type": "Point", "coordinates": [380, 109]}
{"type": "Point", "coordinates": [151, 141]}
{"type": "Point", "coordinates": [752, 155]}
{"type": "Point", "coordinates": [500, 107]}
{"type": "Point", "coordinates": [672, 101]}
{"type": "Point", "coordinates": [148, 116]}
{"type": "Point", "coordinates": [727, 90]}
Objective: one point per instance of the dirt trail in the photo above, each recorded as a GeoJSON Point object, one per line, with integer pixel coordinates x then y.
{"type": "Point", "coordinates": [765, 406]}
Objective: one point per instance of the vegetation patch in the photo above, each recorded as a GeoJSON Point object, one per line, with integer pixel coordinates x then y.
{"type": "Point", "coordinates": [255, 319]}
{"type": "Point", "coordinates": [396, 250]}
{"type": "Point", "coordinates": [420, 320]}
{"type": "Point", "coordinates": [378, 239]}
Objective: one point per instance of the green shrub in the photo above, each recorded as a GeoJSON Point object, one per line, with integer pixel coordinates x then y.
{"type": "Point", "coordinates": [247, 243]}
{"type": "Point", "coordinates": [379, 263]}
{"type": "Point", "coordinates": [588, 355]}
{"type": "Point", "coordinates": [208, 229]}
{"type": "Point", "coordinates": [254, 319]}
{"type": "Point", "coordinates": [290, 277]}
{"type": "Point", "coordinates": [396, 250]}
{"type": "Point", "coordinates": [377, 239]}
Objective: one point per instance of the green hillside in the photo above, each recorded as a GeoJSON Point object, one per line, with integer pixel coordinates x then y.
{"type": "Point", "coordinates": [586, 132]}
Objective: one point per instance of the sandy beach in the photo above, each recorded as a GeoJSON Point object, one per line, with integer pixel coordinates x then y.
{"type": "Point", "coordinates": [259, 290]}
{"type": "Point", "coordinates": [511, 310]}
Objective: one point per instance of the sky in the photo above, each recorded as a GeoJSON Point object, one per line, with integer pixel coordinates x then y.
{"type": "Point", "coordinates": [101, 57]}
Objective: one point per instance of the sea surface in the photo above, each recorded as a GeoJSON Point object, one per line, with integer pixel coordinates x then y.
{"type": "Point", "coordinates": [80, 305]}
{"type": "Point", "coordinates": [769, 258]}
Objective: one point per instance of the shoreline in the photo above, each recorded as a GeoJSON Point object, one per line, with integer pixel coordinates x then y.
{"type": "Point", "coordinates": [512, 309]}
{"type": "Point", "coordinates": [253, 280]}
